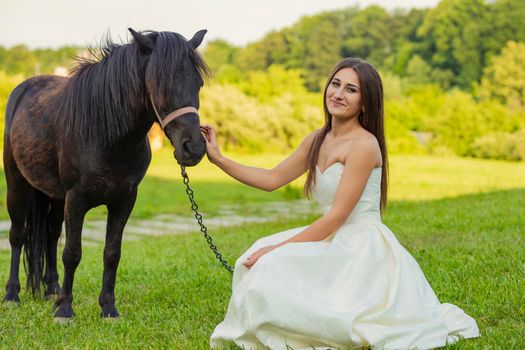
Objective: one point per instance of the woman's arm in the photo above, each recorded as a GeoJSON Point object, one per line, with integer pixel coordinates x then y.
{"type": "Point", "coordinates": [358, 166]}
{"type": "Point", "coordinates": [265, 179]}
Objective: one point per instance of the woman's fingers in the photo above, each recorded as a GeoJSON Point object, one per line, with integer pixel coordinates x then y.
{"type": "Point", "coordinates": [251, 259]}
{"type": "Point", "coordinates": [209, 133]}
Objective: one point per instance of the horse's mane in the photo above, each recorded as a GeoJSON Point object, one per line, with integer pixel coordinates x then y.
{"type": "Point", "coordinates": [105, 95]}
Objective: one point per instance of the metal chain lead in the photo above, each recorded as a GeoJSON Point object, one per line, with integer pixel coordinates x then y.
{"type": "Point", "coordinates": [198, 216]}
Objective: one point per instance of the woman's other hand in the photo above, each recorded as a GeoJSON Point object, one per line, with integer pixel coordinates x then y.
{"type": "Point", "coordinates": [212, 148]}
{"type": "Point", "coordinates": [252, 259]}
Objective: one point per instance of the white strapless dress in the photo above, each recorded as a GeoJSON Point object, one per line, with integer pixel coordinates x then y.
{"type": "Point", "coordinates": [358, 287]}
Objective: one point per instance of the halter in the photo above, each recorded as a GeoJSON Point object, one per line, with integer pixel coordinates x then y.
{"type": "Point", "coordinates": [176, 113]}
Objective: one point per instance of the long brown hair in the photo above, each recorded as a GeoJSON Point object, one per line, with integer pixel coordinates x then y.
{"type": "Point", "coordinates": [371, 118]}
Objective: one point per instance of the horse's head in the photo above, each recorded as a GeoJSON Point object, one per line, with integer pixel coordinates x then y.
{"type": "Point", "coordinates": [173, 79]}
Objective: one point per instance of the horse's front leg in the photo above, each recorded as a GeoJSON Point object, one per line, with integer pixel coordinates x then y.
{"type": "Point", "coordinates": [74, 212]}
{"type": "Point", "coordinates": [118, 214]}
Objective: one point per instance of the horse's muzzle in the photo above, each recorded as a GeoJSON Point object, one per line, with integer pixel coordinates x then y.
{"type": "Point", "coordinates": [190, 152]}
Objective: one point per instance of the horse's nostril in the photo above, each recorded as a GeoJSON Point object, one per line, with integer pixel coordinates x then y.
{"type": "Point", "coordinates": [186, 147]}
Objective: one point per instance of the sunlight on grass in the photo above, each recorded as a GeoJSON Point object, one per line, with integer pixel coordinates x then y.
{"type": "Point", "coordinates": [411, 177]}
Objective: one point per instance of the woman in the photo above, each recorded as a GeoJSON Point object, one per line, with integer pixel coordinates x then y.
{"type": "Point", "coordinates": [344, 281]}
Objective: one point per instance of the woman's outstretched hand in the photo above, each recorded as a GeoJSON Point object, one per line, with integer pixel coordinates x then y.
{"type": "Point", "coordinates": [252, 259]}
{"type": "Point", "coordinates": [212, 148]}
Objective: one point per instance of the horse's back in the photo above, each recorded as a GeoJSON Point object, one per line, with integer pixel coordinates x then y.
{"type": "Point", "coordinates": [31, 131]}
{"type": "Point", "coordinates": [36, 92]}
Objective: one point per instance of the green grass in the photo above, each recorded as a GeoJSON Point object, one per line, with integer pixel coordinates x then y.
{"type": "Point", "coordinates": [411, 178]}
{"type": "Point", "coordinates": [171, 292]}
{"type": "Point", "coordinates": [463, 221]}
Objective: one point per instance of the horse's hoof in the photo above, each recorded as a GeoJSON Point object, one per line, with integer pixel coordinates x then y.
{"type": "Point", "coordinates": [11, 300]}
{"type": "Point", "coordinates": [10, 304]}
{"type": "Point", "coordinates": [110, 315]}
{"type": "Point", "coordinates": [110, 319]}
{"type": "Point", "coordinates": [63, 320]}
{"type": "Point", "coordinates": [50, 296]}
{"type": "Point", "coordinates": [51, 292]}
{"type": "Point", "coordinates": [63, 312]}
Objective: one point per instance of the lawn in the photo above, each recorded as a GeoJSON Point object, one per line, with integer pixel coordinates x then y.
{"type": "Point", "coordinates": [411, 178]}
{"type": "Point", "coordinates": [462, 219]}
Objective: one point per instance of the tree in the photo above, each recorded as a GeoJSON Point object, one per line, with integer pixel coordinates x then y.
{"type": "Point", "coordinates": [275, 81]}
{"type": "Point", "coordinates": [272, 49]}
{"type": "Point", "coordinates": [315, 47]}
{"type": "Point", "coordinates": [371, 37]}
{"type": "Point", "coordinates": [454, 34]}
{"type": "Point", "coordinates": [504, 78]}
{"type": "Point", "coordinates": [218, 53]}
{"type": "Point", "coordinates": [506, 19]}
{"type": "Point", "coordinates": [7, 84]}
{"type": "Point", "coordinates": [418, 71]}
{"type": "Point", "coordinates": [19, 59]}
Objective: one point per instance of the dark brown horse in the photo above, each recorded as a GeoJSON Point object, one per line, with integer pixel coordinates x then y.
{"type": "Point", "coordinates": [75, 143]}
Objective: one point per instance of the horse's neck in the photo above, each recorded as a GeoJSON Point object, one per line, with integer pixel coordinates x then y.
{"type": "Point", "coordinates": [138, 133]}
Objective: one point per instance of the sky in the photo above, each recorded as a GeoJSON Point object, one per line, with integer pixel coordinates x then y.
{"type": "Point", "coordinates": [55, 23]}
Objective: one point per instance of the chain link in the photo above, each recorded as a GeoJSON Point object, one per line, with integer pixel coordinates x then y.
{"type": "Point", "coordinates": [198, 216]}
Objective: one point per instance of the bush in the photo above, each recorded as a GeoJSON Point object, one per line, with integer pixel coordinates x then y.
{"type": "Point", "coordinates": [501, 145]}
{"type": "Point", "coordinates": [7, 84]}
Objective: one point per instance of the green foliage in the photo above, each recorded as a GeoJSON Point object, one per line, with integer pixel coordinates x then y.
{"type": "Point", "coordinates": [504, 78]}
{"type": "Point", "coordinates": [501, 145]}
{"type": "Point", "coordinates": [418, 71]}
{"type": "Point", "coordinates": [266, 112]}
{"type": "Point", "coordinates": [7, 84]}
{"type": "Point", "coordinates": [399, 139]}
{"type": "Point", "coordinates": [218, 53]}
{"type": "Point", "coordinates": [311, 45]}
{"type": "Point", "coordinates": [314, 47]}
{"type": "Point", "coordinates": [455, 31]}
{"type": "Point", "coordinates": [265, 96]}
{"type": "Point", "coordinates": [460, 121]}
{"type": "Point", "coordinates": [506, 23]}
{"type": "Point", "coordinates": [274, 82]}
{"type": "Point", "coordinates": [371, 35]}
{"type": "Point", "coordinates": [453, 40]}
{"type": "Point", "coordinates": [20, 60]}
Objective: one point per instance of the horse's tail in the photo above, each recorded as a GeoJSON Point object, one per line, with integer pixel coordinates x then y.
{"type": "Point", "coordinates": [12, 104]}
{"type": "Point", "coordinates": [35, 246]}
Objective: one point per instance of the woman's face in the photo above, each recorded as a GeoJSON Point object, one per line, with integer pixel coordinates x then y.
{"type": "Point", "coordinates": [343, 95]}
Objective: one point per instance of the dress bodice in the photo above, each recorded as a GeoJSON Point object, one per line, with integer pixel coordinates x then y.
{"type": "Point", "coordinates": [368, 206]}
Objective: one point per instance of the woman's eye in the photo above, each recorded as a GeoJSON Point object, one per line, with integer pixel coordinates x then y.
{"type": "Point", "coordinates": [335, 83]}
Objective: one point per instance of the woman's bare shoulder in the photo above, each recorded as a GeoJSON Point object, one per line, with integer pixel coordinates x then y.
{"type": "Point", "coordinates": [364, 146]}
{"type": "Point", "coordinates": [309, 139]}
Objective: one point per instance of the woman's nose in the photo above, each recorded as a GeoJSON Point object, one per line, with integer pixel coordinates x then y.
{"type": "Point", "coordinates": [338, 93]}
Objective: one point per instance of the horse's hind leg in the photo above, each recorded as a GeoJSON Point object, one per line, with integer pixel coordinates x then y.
{"type": "Point", "coordinates": [75, 210]}
{"type": "Point", "coordinates": [56, 218]}
{"type": "Point", "coordinates": [118, 214]}
{"type": "Point", "coordinates": [18, 203]}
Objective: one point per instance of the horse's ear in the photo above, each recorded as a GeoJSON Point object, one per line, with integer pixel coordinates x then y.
{"type": "Point", "coordinates": [197, 38]}
{"type": "Point", "coordinates": [146, 45]}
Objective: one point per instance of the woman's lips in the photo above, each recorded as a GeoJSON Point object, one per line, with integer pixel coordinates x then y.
{"type": "Point", "coordinates": [338, 104]}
